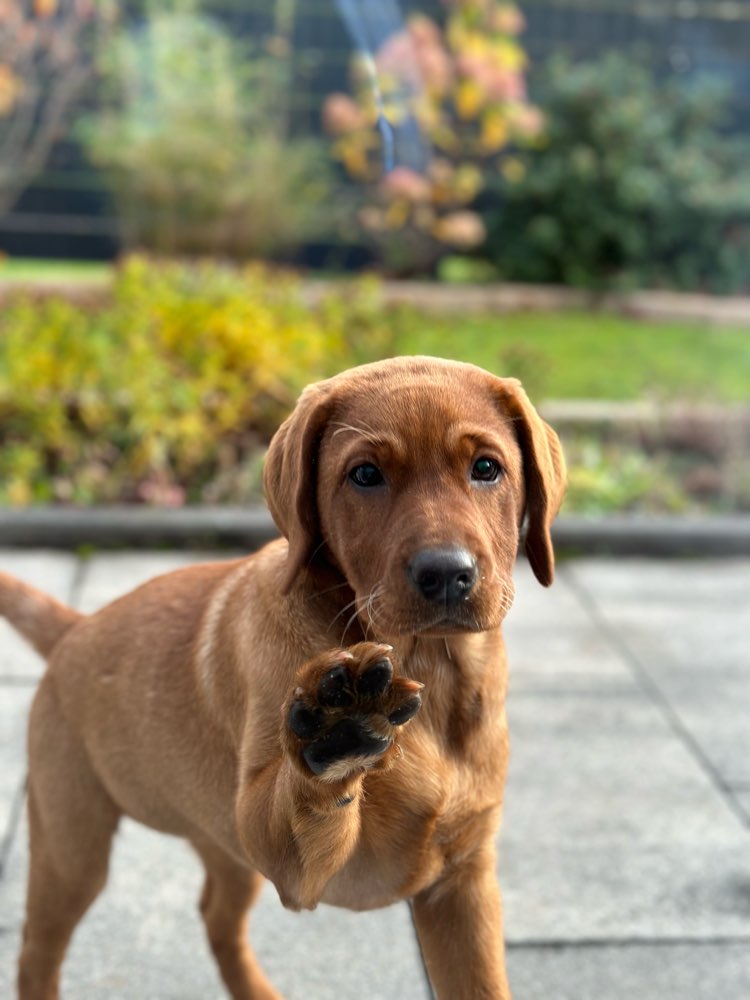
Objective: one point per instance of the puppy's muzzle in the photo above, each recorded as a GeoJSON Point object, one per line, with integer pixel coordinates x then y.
{"type": "Point", "coordinates": [444, 576]}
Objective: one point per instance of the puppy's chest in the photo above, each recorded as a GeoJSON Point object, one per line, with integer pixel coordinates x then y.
{"type": "Point", "coordinates": [418, 821]}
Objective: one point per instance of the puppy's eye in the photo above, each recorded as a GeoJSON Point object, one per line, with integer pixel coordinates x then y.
{"type": "Point", "coordinates": [366, 475]}
{"type": "Point", "coordinates": [486, 470]}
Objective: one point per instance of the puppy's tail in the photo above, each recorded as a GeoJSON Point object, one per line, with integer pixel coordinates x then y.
{"type": "Point", "coordinates": [40, 619]}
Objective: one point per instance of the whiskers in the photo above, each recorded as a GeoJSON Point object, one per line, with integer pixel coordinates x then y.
{"type": "Point", "coordinates": [362, 607]}
{"type": "Point", "coordinates": [370, 610]}
{"type": "Point", "coordinates": [368, 433]}
{"type": "Point", "coordinates": [506, 587]}
{"type": "Point", "coordinates": [328, 590]}
{"type": "Point", "coordinates": [508, 593]}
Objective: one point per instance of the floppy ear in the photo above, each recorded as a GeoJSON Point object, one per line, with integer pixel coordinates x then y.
{"type": "Point", "coordinates": [544, 475]}
{"type": "Point", "coordinates": [290, 477]}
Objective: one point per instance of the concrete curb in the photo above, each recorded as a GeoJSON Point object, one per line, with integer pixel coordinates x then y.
{"type": "Point", "coordinates": [657, 306]}
{"type": "Point", "coordinates": [441, 297]}
{"type": "Point", "coordinates": [641, 535]}
{"type": "Point", "coordinates": [136, 527]}
{"type": "Point", "coordinates": [249, 528]}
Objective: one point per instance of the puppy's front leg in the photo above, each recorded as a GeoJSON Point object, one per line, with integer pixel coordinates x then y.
{"type": "Point", "coordinates": [340, 722]}
{"type": "Point", "coordinates": [460, 928]}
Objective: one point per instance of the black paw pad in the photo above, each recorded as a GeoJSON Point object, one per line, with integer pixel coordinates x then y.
{"type": "Point", "coordinates": [303, 721]}
{"type": "Point", "coordinates": [405, 711]}
{"type": "Point", "coordinates": [375, 680]}
{"type": "Point", "coordinates": [335, 689]}
{"type": "Point", "coordinates": [345, 739]}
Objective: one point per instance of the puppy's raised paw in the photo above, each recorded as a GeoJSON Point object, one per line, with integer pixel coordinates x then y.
{"type": "Point", "coordinates": [344, 714]}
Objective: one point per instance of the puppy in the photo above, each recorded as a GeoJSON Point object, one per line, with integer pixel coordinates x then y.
{"type": "Point", "coordinates": [328, 713]}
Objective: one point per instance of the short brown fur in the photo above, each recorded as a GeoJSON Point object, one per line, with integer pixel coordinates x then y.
{"type": "Point", "coordinates": [171, 704]}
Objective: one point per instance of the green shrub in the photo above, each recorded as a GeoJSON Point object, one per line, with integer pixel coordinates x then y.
{"type": "Point", "coordinates": [171, 389]}
{"type": "Point", "coordinates": [196, 142]}
{"type": "Point", "coordinates": [634, 185]}
{"type": "Point", "coordinates": [616, 476]}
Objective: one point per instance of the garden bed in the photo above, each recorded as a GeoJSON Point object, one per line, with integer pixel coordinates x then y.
{"type": "Point", "coordinates": [163, 384]}
{"type": "Point", "coordinates": [654, 458]}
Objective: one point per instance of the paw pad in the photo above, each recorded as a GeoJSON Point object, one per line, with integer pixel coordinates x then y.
{"type": "Point", "coordinates": [347, 706]}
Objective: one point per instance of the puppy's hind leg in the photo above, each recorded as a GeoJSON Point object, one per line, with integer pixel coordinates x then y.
{"type": "Point", "coordinates": [229, 891]}
{"type": "Point", "coordinates": [71, 824]}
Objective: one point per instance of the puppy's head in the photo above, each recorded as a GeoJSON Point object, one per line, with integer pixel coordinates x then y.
{"type": "Point", "coordinates": [413, 477]}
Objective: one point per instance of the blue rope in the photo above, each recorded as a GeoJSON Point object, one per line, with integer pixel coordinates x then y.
{"type": "Point", "coordinates": [370, 23]}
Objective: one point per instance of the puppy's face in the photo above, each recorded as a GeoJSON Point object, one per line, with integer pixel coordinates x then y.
{"type": "Point", "coordinates": [413, 476]}
{"type": "Point", "coordinates": [420, 496]}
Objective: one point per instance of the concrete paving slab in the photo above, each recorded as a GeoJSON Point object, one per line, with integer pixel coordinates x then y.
{"type": "Point", "coordinates": [646, 972]}
{"type": "Point", "coordinates": [49, 569]}
{"type": "Point", "coordinates": [143, 938]}
{"type": "Point", "coordinates": [582, 893]}
{"type": "Point", "coordinates": [536, 606]}
{"type": "Point", "coordinates": [109, 575]}
{"type": "Point", "coordinates": [568, 657]}
{"type": "Point", "coordinates": [612, 830]}
{"type": "Point", "coordinates": [685, 581]}
{"type": "Point", "coordinates": [626, 872]}
{"type": "Point", "coordinates": [331, 954]}
{"type": "Point", "coordinates": [596, 845]}
{"type": "Point", "coordinates": [684, 626]}
{"type": "Point", "coordinates": [14, 708]}
{"type": "Point", "coordinates": [743, 800]}
{"type": "Point", "coordinates": [608, 770]}
{"type": "Point", "coordinates": [149, 909]}
{"type": "Point", "coordinates": [54, 572]}
{"type": "Point", "coordinates": [551, 644]}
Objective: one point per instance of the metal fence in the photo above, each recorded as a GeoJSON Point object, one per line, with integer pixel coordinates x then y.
{"type": "Point", "coordinates": [68, 212]}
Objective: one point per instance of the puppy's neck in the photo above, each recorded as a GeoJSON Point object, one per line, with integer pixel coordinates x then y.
{"type": "Point", "coordinates": [471, 658]}
{"type": "Point", "coordinates": [323, 591]}
{"type": "Point", "coordinates": [465, 683]}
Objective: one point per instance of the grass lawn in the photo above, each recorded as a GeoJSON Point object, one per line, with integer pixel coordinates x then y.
{"type": "Point", "coordinates": [28, 270]}
{"type": "Point", "coordinates": [576, 355]}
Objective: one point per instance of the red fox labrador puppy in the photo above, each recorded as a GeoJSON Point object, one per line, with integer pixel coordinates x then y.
{"type": "Point", "coordinates": [328, 713]}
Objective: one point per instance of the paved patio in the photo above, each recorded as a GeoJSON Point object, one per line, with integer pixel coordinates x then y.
{"type": "Point", "coordinates": [625, 854]}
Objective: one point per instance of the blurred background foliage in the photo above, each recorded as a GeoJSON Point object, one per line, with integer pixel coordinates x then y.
{"type": "Point", "coordinates": [168, 390]}
{"type": "Point", "coordinates": [459, 86]}
{"type": "Point", "coordinates": [226, 142]}
{"type": "Point", "coordinates": [527, 150]}
{"type": "Point", "coordinates": [634, 184]}
{"type": "Point", "coordinates": [166, 387]}
{"type": "Point", "coordinates": [47, 58]}
{"type": "Point", "coordinates": [196, 144]}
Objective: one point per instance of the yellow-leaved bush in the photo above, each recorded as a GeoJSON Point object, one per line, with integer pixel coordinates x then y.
{"type": "Point", "coordinates": [461, 85]}
{"type": "Point", "coordinates": [168, 391]}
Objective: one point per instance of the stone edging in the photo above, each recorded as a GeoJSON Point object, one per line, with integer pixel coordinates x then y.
{"type": "Point", "coordinates": [667, 306]}
{"type": "Point", "coordinates": [500, 297]}
{"type": "Point", "coordinates": [249, 528]}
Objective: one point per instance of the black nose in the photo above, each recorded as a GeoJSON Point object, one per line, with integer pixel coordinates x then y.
{"type": "Point", "coordinates": [444, 575]}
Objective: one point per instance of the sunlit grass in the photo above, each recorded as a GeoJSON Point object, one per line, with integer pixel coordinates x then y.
{"type": "Point", "coordinates": [26, 269]}
{"type": "Point", "coordinates": [577, 355]}
{"type": "Point", "coordinates": [557, 355]}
